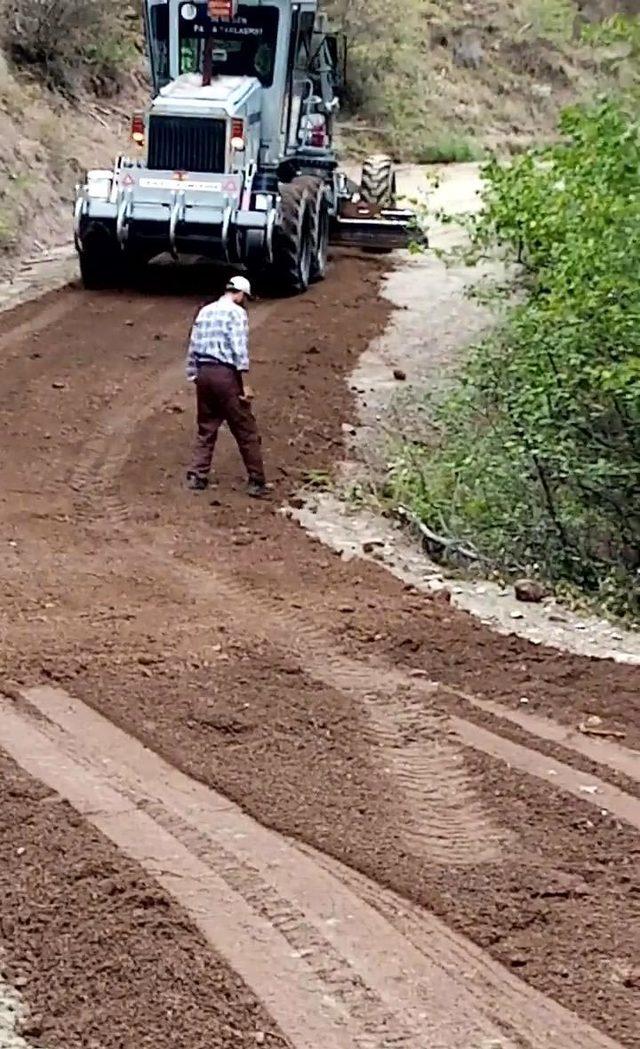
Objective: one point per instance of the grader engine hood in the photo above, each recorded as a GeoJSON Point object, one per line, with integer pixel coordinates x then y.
{"type": "Point", "coordinates": [225, 96]}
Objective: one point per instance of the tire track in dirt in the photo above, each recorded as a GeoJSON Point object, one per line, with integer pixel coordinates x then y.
{"type": "Point", "coordinates": [446, 822]}
{"type": "Point", "coordinates": [106, 451]}
{"type": "Point", "coordinates": [251, 948]}
{"type": "Point", "coordinates": [595, 791]}
{"type": "Point", "coordinates": [367, 983]}
{"type": "Point", "coordinates": [601, 751]}
{"type": "Point", "coordinates": [520, 1010]}
{"type": "Point", "coordinates": [49, 314]}
{"type": "Point", "coordinates": [94, 475]}
{"type": "Point", "coordinates": [425, 761]}
{"type": "Point", "coordinates": [397, 703]}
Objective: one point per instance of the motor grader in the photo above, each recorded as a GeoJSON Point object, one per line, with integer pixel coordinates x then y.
{"type": "Point", "coordinates": [236, 160]}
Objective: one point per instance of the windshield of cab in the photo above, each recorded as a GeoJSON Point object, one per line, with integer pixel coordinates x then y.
{"type": "Point", "coordinates": [244, 47]}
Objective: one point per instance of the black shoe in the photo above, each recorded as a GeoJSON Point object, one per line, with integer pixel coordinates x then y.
{"type": "Point", "coordinates": [196, 482]}
{"type": "Point", "coordinates": [258, 489]}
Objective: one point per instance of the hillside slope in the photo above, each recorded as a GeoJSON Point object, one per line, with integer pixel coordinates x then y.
{"type": "Point", "coordinates": [45, 142]}
{"type": "Point", "coordinates": [70, 71]}
{"type": "Point", "coordinates": [450, 78]}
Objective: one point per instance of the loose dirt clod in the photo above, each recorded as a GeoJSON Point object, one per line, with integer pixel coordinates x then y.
{"type": "Point", "coordinates": [592, 726]}
{"type": "Point", "coordinates": [369, 546]}
{"type": "Point", "coordinates": [529, 590]}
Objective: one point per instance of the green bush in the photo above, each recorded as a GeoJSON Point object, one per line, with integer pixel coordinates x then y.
{"type": "Point", "coordinates": [447, 148]}
{"type": "Point", "coordinates": [67, 42]}
{"type": "Point", "coordinates": [536, 458]}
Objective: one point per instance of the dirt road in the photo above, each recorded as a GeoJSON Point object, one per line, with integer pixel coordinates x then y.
{"type": "Point", "coordinates": [303, 805]}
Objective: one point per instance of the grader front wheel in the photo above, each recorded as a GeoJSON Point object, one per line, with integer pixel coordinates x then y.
{"type": "Point", "coordinates": [293, 241]}
{"type": "Point", "coordinates": [98, 263]}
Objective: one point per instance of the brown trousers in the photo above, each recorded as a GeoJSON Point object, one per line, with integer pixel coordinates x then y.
{"type": "Point", "coordinates": [219, 392]}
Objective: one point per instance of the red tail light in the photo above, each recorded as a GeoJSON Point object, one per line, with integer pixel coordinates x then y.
{"type": "Point", "coordinates": [237, 133]}
{"type": "Point", "coordinates": [137, 128]}
{"type": "Point", "coordinates": [318, 137]}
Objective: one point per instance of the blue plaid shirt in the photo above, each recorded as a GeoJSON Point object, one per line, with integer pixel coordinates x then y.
{"type": "Point", "coordinates": [220, 335]}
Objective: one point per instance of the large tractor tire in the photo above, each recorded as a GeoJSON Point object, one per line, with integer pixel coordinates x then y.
{"type": "Point", "coordinates": [293, 247]}
{"type": "Point", "coordinates": [319, 212]}
{"type": "Point", "coordinates": [378, 188]}
{"type": "Point", "coordinates": [378, 183]}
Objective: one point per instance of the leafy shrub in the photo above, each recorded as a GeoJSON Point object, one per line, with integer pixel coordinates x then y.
{"type": "Point", "coordinates": [616, 46]}
{"type": "Point", "coordinates": [66, 41]}
{"type": "Point", "coordinates": [536, 457]}
{"type": "Point", "coordinates": [447, 148]}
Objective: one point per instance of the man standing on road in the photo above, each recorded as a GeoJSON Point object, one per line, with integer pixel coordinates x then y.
{"type": "Point", "coordinates": [218, 363]}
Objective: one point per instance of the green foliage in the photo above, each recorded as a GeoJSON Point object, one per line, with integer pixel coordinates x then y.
{"type": "Point", "coordinates": [111, 55]}
{"type": "Point", "coordinates": [536, 453]}
{"type": "Point", "coordinates": [446, 148]}
{"type": "Point", "coordinates": [616, 44]}
{"type": "Point", "coordinates": [551, 19]}
{"type": "Point", "coordinates": [67, 42]}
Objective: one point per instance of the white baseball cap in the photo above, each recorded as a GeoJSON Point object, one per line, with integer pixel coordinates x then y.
{"type": "Point", "coordinates": [239, 284]}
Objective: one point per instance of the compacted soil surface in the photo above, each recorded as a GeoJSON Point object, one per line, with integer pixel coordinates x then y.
{"type": "Point", "coordinates": [104, 957]}
{"type": "Point", "coordinates": [392, 814]}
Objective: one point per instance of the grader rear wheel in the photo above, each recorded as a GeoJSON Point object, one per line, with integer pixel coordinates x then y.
{"type": "Point", "coordinates": [378, 187]}
{"type": "Point", "coordinates": [319, 214]}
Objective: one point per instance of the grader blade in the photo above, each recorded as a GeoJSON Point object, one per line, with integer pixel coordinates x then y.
{"type": "Point", "coordinates": [372, 228]}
